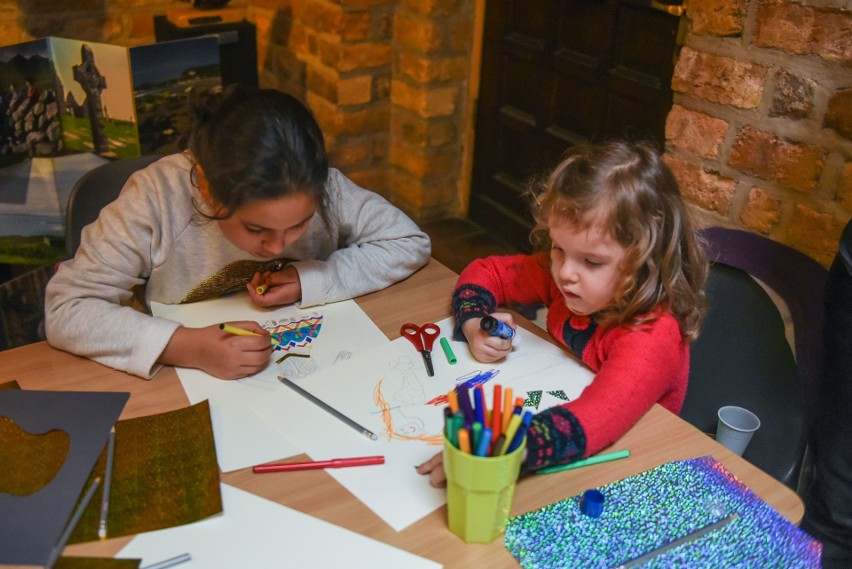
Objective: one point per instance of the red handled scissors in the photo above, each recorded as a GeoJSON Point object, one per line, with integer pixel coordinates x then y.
{"type": "Point", "coordinates": [422, 337]}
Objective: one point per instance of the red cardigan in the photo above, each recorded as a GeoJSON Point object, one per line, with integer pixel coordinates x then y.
{"type": "Point", "coordinates": [635, 367]}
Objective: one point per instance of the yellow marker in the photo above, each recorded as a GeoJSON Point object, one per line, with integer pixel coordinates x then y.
{"type": "Point", "coordinates": [262, 288]}
{"type": "Point", "coordinates": [240, 332]}
{"type": "Point", "coordinates": [514, 423]}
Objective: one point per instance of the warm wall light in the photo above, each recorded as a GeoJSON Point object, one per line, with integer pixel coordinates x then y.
{"type": "Point", "coordinates": [209, 4]}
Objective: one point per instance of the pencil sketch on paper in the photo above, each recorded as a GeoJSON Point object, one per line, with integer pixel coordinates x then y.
{"type": "Point", "coordinates": [399, 396]}
{"type": "Point", "coordinates": [401, 399]}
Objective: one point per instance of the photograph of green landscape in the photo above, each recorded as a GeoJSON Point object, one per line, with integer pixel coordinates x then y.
{"type": "Point", "coordinates": [163, 75]}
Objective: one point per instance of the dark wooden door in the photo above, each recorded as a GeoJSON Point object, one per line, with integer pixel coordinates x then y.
{"type": "Point", "coordinates": [559, 72]}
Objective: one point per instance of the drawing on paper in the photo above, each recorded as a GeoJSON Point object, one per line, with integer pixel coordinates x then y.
{"type": "Point", "coordinates": [295, 334]}
{"type": "Point", "coordinates": [468, 381]}
{"type": "Point", "coordinates": [401, 398]}
{"type": "Point", "coordinates": [295, 338]}
{"type": "Point", "coordinates": [399, 395]}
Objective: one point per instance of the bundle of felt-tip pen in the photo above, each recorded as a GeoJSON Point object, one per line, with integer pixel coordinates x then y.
{"type": "Point", "coordinates": [473, 429]}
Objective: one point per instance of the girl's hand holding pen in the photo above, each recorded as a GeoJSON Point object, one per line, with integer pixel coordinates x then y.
{"type": "Point", "coordinates": [278, 288]}
{"type": "Point", "coordinates": [219, 353]}
{"type": "Point", "coordinates": [483, 346]}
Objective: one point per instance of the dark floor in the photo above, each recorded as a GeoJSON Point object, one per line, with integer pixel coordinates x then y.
{"type": "Point", "coordinates": [458, 241]}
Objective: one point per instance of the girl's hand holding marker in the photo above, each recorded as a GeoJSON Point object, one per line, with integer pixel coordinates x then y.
{"type": "Point", "coordinates": [491, 338]}
{"type": "Point", "coordinates": [275, 288]}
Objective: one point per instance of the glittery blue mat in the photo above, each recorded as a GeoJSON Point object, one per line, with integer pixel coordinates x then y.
{"type": "Point", "coordinates": [649, 510]}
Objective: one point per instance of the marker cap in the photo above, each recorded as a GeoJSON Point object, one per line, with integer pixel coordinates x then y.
{"type": "Point", "coordinates": [592, 503]}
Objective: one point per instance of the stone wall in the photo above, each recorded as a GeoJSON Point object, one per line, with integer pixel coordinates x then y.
{"type": "Point", "coordinates": [760, 134]}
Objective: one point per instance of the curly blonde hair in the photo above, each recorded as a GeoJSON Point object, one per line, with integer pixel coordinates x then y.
{"type": "Point", "coordinates": [628, 191]}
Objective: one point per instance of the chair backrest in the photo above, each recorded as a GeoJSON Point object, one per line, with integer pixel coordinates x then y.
{"type": "Point", "coordinates": [742, 356]}
{"type": "Point", "coordinates": [93, 191]}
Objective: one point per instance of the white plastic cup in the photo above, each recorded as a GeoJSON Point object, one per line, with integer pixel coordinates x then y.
{"type": "Point", "coordinates": [736, 427]}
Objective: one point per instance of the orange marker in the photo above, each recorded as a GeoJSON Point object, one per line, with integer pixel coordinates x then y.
{"type": "Point", "coordinates": [507, 408]}
{"type": "Point", "coordinates": [497, 413]}
{"type": "Point", "coordinates": [453, 400]}
{"type": "Point", "coordinates": [464, 440]}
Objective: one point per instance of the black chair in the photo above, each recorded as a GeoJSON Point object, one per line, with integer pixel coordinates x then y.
{"type": "Point", "coordinates": [828, 496]}
{"type": "Point", "coordinates": [93, 191]}
{"type": "Point", "coordinates": [743, 357]}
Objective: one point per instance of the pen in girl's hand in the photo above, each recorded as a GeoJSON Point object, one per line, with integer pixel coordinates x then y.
{"type": "Point", "coordinates": [230, 329]}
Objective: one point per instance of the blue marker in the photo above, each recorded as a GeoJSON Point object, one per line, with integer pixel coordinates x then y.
{"type": "Point", "coordinates": [521, 432]}
{"type": "Point", "coordinates": [484, 442]}
{"type": "Point", "coordinates": [479, 404]}
{"type": "Point", "coordinates": [499, 329]}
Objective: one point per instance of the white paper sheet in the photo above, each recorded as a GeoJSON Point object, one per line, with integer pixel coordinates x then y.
{"type": "Point", "coordinates": [410, 428]}
{"type": "Point", "coordinates": [260, 534]}
{"type": "Point", "coordinates": [242, 437]}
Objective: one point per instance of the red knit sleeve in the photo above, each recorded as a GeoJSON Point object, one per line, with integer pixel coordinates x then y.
{"type": "Point", "coordinates": [488, 283]}
{"type": "Point", "coordinates": [635, 369]}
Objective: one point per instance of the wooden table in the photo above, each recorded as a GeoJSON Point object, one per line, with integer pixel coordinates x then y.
{"type": "Point", "coordinates": [657, 438]}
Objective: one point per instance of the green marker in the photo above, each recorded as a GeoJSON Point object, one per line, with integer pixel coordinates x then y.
{"type": "Point", "coordinates": [448, 351]}
{"type": "Point", "coordinates": [598, 458]}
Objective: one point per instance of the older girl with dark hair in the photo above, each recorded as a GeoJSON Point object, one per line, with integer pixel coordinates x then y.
{"type": "Point", "coordinates": [251, 203]}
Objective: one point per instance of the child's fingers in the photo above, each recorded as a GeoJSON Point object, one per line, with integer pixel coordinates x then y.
{"type": "Point", "coordinates": [430, 464]}
{"type": "Point", "coordinates": [434, 467]}
{"type": "Point", "coordinates": [504, 317]}
{"type": "Point", "coordinates": [437, 478]}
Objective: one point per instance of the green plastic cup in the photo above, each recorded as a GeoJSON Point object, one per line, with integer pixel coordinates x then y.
{"type": "Point", "coordinates": [479, 492]}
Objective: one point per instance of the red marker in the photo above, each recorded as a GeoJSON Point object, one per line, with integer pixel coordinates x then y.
{"type": "Point", "coordinates": [316, 464]}
{"type": "Point", "coordinates": [497, 413]}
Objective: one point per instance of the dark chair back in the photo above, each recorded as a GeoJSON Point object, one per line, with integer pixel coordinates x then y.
{"type": "Point", "coordinates": [742, 356]}
{"type": "Point", "coordinates": [93, 191]}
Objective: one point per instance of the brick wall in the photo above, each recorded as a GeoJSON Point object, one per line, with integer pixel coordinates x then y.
{"type": "Point", "coordinates": [760, 134]}
{"type": "Point", "coordinates": [388, 82]}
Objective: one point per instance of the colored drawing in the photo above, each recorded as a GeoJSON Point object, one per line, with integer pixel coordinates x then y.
{"type": "Point", "coordinates": [559, 394]}
{"type": "Point", "coordinates": [469, 381]}
{"type": "Point", "coordinates": [477, 377]}
{"type": "Point", "coordinates": [298, 334]}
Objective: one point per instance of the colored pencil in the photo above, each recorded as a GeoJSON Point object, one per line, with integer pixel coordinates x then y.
{"type": "Point", "coordinates": [316, 400]}
{"type": "Point", "coordinates": [102, 525]}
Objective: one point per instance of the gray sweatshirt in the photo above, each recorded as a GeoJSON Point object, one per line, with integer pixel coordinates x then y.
{"type": "Point", "coordinates": [153, 236]}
